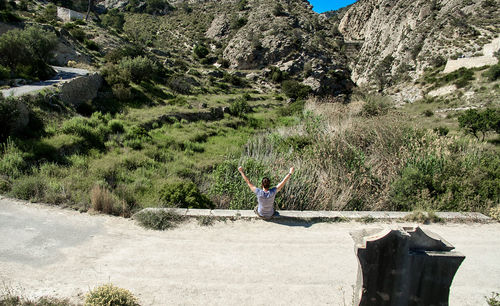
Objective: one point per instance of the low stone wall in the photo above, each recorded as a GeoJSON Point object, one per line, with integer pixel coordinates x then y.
{"type": "Point", "coordinates": [471, 62]}
{"type": "Point", "coordinates": [81, 89]}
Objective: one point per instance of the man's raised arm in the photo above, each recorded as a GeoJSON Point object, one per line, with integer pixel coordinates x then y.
{"type": "Point", "coordinates": [287, 177]}
{"type": "Point", "coordinates": [250, 185]}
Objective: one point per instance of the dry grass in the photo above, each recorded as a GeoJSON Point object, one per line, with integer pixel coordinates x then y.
{"type": "Point", "coordinates": [102, 200]}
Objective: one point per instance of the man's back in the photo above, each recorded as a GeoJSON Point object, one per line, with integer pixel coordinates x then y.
{"type": "Point", "coordinates": [266, 201]}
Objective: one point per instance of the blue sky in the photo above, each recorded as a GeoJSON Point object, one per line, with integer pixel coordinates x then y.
{"type": "Point", "coordinates": [321, 6]}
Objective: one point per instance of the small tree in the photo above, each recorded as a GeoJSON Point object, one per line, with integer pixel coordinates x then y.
{"type": "Point", "coordinates": [475, 122]}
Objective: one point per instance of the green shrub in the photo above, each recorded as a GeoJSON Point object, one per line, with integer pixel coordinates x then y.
{"type": "Point", "coordinates": [115, 55]}
{"type": "Point", "coordinates": [294, 108]}
{"type": "Point", "coordinates": [116, 126]}
{"type": "Point", "coordinates": [159, 220]}
{"type": "Point", "coordinates": [157, 6]}
{"type": "Point", "coordinates": [110, 295]}
{"type": "Point", "coordinates": [295, 90]}
{"type": "Point", "coordinates": [114, 19]}
{"type": "Point", "coordinates": [12, 161]}
{"type": "Point", "coordinates": [78, 34]}
{"type": "Point", "coordinates": [493, 73]}
{"type": "Point", "coordinates": [48, 14]}
{"type": "Point", "coordinates": [26, 52]}
{"type": "Point", "coordinates": [185, 195]}
{"type": "Point", "coordinates": [376, 106]}
{"type": "Point", "coordinates": [10, 299]}
{"type": "Point", "coordinates": [200, 51]}
{"type": "Point", "coordinates": [9, 113]}
{"type": "Point", "coordinates": [91, 45]}
{"type": "Point", "coordinates": [179, 84]}
{"type": "Point", "coordinates": [238, 22]}
{"type": "Point", "coordinates": [122, 92]}
{"type": "Point", "coordinates": [239, 107]}
{"type": "Point", "coordinates": [494, 299]}
{"type": "Point", "coordinates": [447, 182]}
{"type": "Point", "coordinates": [442, 130]}
{"type": "Point", "coordinates": [139, 68]}
{"type": "Point", "coordinates": [32, 188]}
{"type": "Point", "coordinates": [4, 73]}
{"type": "Point", "coordinates": [93, 130]}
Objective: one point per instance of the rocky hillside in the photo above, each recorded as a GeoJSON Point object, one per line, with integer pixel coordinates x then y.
{"type": "Point", "coordinates": [250, 35]}
{"type": "Point", "coordinates": [400, 38]}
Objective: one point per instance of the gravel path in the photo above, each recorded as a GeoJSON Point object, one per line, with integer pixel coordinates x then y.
{"type": "Point", "coordinates": [49, 251]}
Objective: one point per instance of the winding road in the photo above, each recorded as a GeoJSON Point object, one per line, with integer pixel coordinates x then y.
{"type": "Point", "coordinates": [45, 250]}
{"type": "Point", "coordinates": [64, 74]}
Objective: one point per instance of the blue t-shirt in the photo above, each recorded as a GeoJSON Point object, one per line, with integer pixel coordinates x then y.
{"type": "Point", "coordinates": [266, 201]}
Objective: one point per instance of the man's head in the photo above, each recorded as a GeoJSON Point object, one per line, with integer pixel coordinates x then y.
{"type": "Point", "coordinates": [266, 183]}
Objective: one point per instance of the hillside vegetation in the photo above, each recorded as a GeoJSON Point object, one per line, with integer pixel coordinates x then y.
{"type": "Point", "coordinates": [193, 90]}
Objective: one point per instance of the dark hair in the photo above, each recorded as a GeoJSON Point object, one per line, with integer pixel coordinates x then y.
{"type": "Point", "coordinates": [266, 182]}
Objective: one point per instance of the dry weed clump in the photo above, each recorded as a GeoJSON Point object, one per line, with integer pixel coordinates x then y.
{"type": "Point", "coordinates": [102, 200]}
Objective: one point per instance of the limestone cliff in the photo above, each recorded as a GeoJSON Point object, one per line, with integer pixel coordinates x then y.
{"type": "Point", "coordinates": [400, 38]}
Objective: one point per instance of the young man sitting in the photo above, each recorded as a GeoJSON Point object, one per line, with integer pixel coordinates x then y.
{"type": "Point", "coordinates": [265, 196]}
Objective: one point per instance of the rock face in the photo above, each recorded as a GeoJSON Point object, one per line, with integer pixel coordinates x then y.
{"type": "Point", "coordinates": [80, 90]}
{"type": "Point", "coordinates": [287, 34]}
{"type": "Point", "coordinates": [404, 266]}
{"type": "Point", "coordinates": [400, 38]}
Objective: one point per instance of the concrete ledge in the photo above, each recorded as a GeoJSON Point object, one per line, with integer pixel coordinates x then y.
{"type": "Point", "coordinates": [363, 216]}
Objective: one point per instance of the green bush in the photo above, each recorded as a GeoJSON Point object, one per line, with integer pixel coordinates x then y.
{"type": "Point", "coordinates": [185, 195]}
{"type": "Point", "coordinates": [294, 108]}
{"type": "Point", "coordinates": [48, 14]}
{"type": "Point", "coordinates": [12, 161]}
{"type": "Point", "coordinates": [93, 130]}
{"type": "Point", "coordinates": [78, 34]}
{"type": "Point", "coordinates": [114, 19]}
{"type": "Point", "coordinates": [139, 68]}
{"type": "Point", "coordinates": [110, 295]}
{"type": "Point", "coordinates": [31, 188]}
{"type": "Point", "coordinates": [116, 126]}
{"type": "Point", "coordinates": [494, 299]}
{"type": "Point", "coordinates": [122, 92]}
{"type": "Point", "coordinates": [4, 73]}
{"type": "Point", "coordinates": [376, 106]}
{"type": "Point", "coordinates": [295, 90]}
{"type": "Point", "coordinates": [157, 6]}
{"type": "Point", "coordinates": [159, 220]}
{"type": "Point", "coordinates": [239, 107]}
{"type": "Point", "coordinates": [200, 51]}
{"type": "Point", "coordinates": [91, 45]}
{"type": "Point", "coordinates": [26, 52]}
{"type": "Point", "coordinates": [456, 182]}
{"type": "Point", "coordinates": [238, 22]}
{"type": "Point", "coordinates": [9, 113]}
{"type": "Point", "coordinates": [493, 73]}
{"type": "Point", "coordinates": [115, 55]}
{"type": "Point", "coordinates": [179, 84]}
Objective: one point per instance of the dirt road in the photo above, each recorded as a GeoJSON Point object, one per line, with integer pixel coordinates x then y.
{"type": "Point", "coordinates": [49, 251]}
